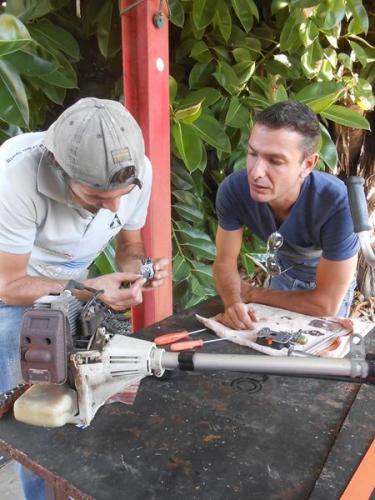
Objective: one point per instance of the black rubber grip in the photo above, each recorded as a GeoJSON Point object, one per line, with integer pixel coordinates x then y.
{"type": "Point", "coordinates": [185, 361]}
{"type": "Point", "coordinates": [370, 358]}
{"type": "Point", "coordinates": [358, 203]}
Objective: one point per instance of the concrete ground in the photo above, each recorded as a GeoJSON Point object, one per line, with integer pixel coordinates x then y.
{"type": "Point", "coordinates": [10, 488]}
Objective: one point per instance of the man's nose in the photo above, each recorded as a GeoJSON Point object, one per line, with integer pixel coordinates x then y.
{"type": "Point", "coordinates": [257, 168]}
{"type": "Point", "coordinates": [112, 205]}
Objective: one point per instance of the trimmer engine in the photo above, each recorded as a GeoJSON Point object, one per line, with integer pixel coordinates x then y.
{"type": "Point", "coordinates": [70, 352]}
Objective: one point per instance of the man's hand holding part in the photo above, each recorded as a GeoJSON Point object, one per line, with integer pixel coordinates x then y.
{"type": "Point", "coordinates": [115, 294]}
{"type": "Point", "coordinates": [160, 267]}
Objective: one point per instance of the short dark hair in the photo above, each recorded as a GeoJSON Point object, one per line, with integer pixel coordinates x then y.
{"type": "Point", "coordinates": [295, 116]}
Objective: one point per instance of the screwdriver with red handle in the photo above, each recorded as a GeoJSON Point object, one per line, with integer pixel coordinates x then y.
{"type": "Point", "coordinates": [169, 338]}
{"type": "Point", "coordinates": [190, 344]}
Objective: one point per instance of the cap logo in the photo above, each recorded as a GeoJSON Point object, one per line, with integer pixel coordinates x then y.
{"type": "Point", "coordinates": [120, 155]}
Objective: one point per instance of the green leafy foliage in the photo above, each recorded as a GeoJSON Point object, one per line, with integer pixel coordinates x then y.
{"type": "Point", "coordinates": [40, 53]}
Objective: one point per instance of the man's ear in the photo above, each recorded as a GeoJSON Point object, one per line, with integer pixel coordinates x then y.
{"type": "Point", "coordinates": [309, 164]}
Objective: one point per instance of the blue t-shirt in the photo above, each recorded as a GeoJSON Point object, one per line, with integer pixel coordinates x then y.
{"type": "Point", "coordinates": [318, 224]}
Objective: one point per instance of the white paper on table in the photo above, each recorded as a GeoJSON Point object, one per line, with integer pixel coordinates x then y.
{"type": "Point", "coordinates": [331, 336]}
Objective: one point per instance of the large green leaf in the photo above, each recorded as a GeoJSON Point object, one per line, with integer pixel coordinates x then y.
{"type": "Point", "coordinates": [321, 95]}
{"type": "Point", "coordinates": [172, 89]}
{"type": "Point", "coordinates": [245, 10]}
{"type": "Point", "coordinates": [188, 212]}
{"type": "Point", "coordinates": [333, 13]}
{"type": "Point", "coordinates": [360, 21]}
{"type": "Point", "coordinates": [346, 117]}
{"type": "Point", "coordinates": [363, 93]}
{"type": "Point", "coordinates": [277, 5]}
{"type": "Point", "coordinates": [312, 59]}
{"type": "Point", "coordinates": [29, 64]}
{"type": "Point", "coordinates": [186, 197]}
{"type": "Point", "coordinates": [244, 71]}
{"type": "Point", "coordinates": [63, 76]}
{"type": "Point", "coordinates": [188, 145]}
{"type": "Point", "coordinates": [203, 12]}
{"type": "Point", "coordinates": [55, 94]}
{"type": "Point", "coordinates": [203, 273]}
{"type": "Point", "coordinates": [49, 34]}
{"type": "Point", "coordinates": [237, 115]}
{"type": "Point", "coordinates": [181, 268]}
{"type": "Point", "coordinates": [274, 67]}
{"type": "Point", "coordinates": [13, 34]}
{"type": "Point", "coordinates": [360, 52]}
{"type": "Point", "coordinates": [14, 108]}
{"type": "Point", "coordinates": [188, 114]}
{"type": "Point", "coordinates": [108, 30]}
{"type": "Point", "coordinates": [308, 32]}
{"type": "Point", "coordinates": [289, 37]}
{"type": "Point", "coordinates": [210, 130]}
{"type": "Point", "coordinates": [176, 13]}
{"type": "Point", "coordinates": [184, 49]}
{"type": "Point", "coordinates": [304, 3]}
{"type": "Point", "coordinates": [181, 178]}
{"type": "Point", "coordinates": [201, 75]}
{"type": "Point", "coordinates": [327, 150]}
{"type": "Point", "coordinates": [205, 95]}
{"type": "Point", "coordinates": [105, 262]}
{"type": "Point", "coordinates": [198, 248]}
{"type": "Point", "coordinates": [194, 241]}
{"type": "Point", "coordinates": [223, 20]}
{"type": "Point", "coordinates": [241, 54]}
{"type": "Point", "coordinates": [227, 77]}
{"type": "Point", "coordinates": [201, 53]}
{"type": "Point", "coordinates": [256, 101]}
{"type": "Point", "coordinates": [26, 10]}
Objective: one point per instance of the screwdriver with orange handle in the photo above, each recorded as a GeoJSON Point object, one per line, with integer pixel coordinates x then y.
{"type": "Point", "coordinates": [190, 344]}
{"type": "Point", "coordinates": [169, 338]}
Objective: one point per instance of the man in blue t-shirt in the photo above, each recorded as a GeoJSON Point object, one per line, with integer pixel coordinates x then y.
{"type": "Point", "coordinates": [304, 215]}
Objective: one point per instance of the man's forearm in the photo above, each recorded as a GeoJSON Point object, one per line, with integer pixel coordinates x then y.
{"type": "Point", "coordinates": [25, 290]}
{"type": "Point", "coordinates": [128, 257]}
{"type": "Point", "coordinates": [303, 301]}
{"type": "Point", "coordinates": [228, 283]}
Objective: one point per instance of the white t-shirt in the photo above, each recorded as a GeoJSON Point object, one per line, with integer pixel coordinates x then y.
{"type": "Point", "coordinates": [38, 215]}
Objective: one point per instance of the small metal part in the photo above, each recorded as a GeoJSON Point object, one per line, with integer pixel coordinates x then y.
{"type": "Point", "coordinates": [357, 347]}
{"type": "Point", "coordinates": [158, 20]}
{"type": "Point", "coordinates": [279, 339]}
{"type": "Point", "coordinates": [147, 268]}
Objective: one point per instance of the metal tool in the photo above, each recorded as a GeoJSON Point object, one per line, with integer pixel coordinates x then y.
{"type": "Point", "coordinates": [190, 344]}
{"type": "Point", "coordinates": [169, 338]}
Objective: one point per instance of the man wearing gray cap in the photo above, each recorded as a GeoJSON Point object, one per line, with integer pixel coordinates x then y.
{"type": "Point", "coordinates": [64, 195]}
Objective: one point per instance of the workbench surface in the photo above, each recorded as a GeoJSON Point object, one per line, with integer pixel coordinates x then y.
{"type": "Point", "coordinates": [209, 436]}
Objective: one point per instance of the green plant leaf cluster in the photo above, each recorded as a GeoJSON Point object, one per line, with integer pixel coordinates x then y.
{"type": "Point", "coordinates": [40, 55]}
{"type": "Point", "coordinates": [35, 65]}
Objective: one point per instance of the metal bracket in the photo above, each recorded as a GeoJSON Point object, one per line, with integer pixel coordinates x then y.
{"type": "Point", "coordinates": [357, 356]}
{"type": "Point", "coordinates": [357, 347]}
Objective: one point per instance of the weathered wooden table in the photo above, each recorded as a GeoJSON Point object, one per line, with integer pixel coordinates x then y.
{"type": "Point", "coordinates": [218, 435]}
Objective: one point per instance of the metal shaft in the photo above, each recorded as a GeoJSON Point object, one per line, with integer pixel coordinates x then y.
{"type": "Point", "coordinates": [273, 365]}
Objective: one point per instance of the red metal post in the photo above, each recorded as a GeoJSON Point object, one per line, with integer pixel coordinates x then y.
{"type": "Point", "coordinates": [146, 91]}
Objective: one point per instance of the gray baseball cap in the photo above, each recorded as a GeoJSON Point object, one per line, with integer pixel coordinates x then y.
{"type": "Point", "coordinates": [95, 139]}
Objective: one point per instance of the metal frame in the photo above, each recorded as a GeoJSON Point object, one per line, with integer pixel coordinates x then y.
{"type": "Point", "coordinates": [146, 91]}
